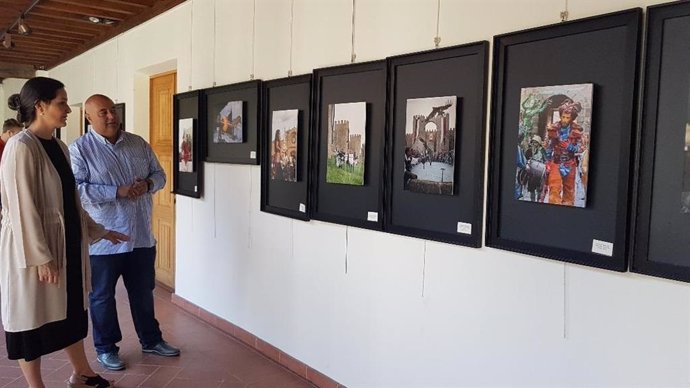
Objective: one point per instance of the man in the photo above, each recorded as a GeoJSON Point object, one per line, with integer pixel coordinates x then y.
{"type": "Point", "coordinates": [536, 159]}
{"type": "Point", "coordinates": [10, 128]}
{"type": "Point", "coordinates": [116, 174]}
{"type": "Point", "coordinates": [564, 141]}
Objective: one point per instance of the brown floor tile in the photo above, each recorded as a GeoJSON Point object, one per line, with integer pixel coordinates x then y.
{"type": "Point", "coordinates": [210, 358]}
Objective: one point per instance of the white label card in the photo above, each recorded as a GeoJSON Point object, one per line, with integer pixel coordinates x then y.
{"type": "Point", "coordinates": [373, 216]}
{"type": "Point", "coordinates": [464, 228]}
{"type": "Point", "coordinates": [252, 154]}
{"type": "Point", "coordinates": [302, 208]}
{"type": "Point", "coordinates": [602, 247]}
{"type": "Point", "coordinates": [195, 189]}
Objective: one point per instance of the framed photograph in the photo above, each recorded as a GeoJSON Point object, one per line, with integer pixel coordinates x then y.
{"type": "Point", "coordinates": [346, 140]}
{"type": "Point", "coordinates": [286, 115]}
{"type": "Point", "coordinates": [661, 245]}
{"type": "Point", "coordinates": [233, 115]}
{"type": "Point", "coordinates": [348, 144]}
{"type": "Point", "coordinates": [185, 150]}
{"type": "Point", "coordinates": [553, 134]}
{"type": "Point", "coordinates": [436, 132]}
{"type": "Point", "coordinates": [284, 144]}
{"type": "Point", "coordinates": [563, 133]}
{"type": "Point", "coordinates": [188, 143]}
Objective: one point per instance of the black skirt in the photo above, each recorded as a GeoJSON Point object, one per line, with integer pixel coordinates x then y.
{"type": "Point", "coordinates": [32, 344]}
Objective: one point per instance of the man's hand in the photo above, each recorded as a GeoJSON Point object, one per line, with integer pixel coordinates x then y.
{"type": "Point", "coordinates": [48, 272]}
{"type": "Point", "coordinates": [123, 191]}
{"type": "Point", "coordinates": [115, 237]}
{"type": "Point", "coordinates": [139, 188]}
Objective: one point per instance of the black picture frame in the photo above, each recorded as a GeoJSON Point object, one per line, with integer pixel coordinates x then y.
{"type": "Point", "coordinates": [661, 245]}
{"type": "Point", "coordinates": [120, 109]}
{"type": "Point", "coordinates": [289, 199]}
{"type": "Point", "coordinates": [351, 205]}
{"type": "Point", "coordinates": [605, 53]}
{"type": "Point", "coordinates": [189, 105]}
{"type": "Point", "coordinates": [462, 72]}
{"type": "Point", "coordinates": [247, 152]}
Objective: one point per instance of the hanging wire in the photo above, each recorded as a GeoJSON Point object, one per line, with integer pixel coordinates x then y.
{"type": "Point", "coordinates": [353, 56]}
{"type": "Point", "coordinates": [424, 271]}
{"type": "Point", "coordinates": [564, 13]}
{"type": "Point", "coordinates": [251, 75]}
{"type": "Point", "coordinates": [249, 208]}
{"type": "Point", "coordinates": [565, 301]}
{"type": "Point", "coordinates": [347, 244]}
{"type": "Point", "coordinates": [117, 68]}
{"type": "Point", "coordinates": [437, 38]}
{"type": "Point", "coordinates": [191, 49]}
{"type": "Point", "coordinates": [215, 214]}
{"type": "Point", "coordinates": [292, 21]}
{"type": "Point", "coordinates": [215, 11]}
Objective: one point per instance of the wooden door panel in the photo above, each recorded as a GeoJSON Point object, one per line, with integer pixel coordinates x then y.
{"type": "Point", "coordinates": [162, 89]}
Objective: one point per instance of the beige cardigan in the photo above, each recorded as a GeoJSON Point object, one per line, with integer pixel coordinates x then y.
{"type": "Point", "coordinates": [32, 233]}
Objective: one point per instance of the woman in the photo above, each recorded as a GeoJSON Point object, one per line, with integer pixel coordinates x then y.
{"type": "Point", "coordinates": [44, 239]}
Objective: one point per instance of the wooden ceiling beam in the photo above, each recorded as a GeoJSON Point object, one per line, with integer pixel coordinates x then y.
{"type": "Point", "coordinates": [106, 5]}
{"type": "Point", "coordinates": [10, 70]}
{"type": "Point", "coordinates": [78, 12]}
{"type": "Point", "coordinates": [158, 8]}
{"type": "Point", "coordinates": [48, 39]}
{"type": "Point", "coordinates": [38, 21]}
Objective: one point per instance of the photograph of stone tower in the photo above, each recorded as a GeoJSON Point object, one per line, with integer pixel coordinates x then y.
{"type": "Point", "coordinates": [346, 143]}
{"type": "Point", "coordinates": [430, 145]}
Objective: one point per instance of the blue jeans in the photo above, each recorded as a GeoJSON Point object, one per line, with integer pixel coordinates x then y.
{"type": "Point", "coordinates": [138, 273]}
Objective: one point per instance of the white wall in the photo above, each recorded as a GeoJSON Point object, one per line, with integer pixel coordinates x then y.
{"type": "Point", "coordinates": [9, 87]}
{"type": "Point", "coordinates": [407, 313]}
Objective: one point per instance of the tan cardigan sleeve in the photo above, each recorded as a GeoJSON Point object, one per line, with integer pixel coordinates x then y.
{"type": "Point", "coordinates": [20, 178]}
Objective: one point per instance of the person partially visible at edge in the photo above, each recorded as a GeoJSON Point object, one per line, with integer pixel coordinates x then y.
{"type": "Point", "coordinates": [10, 128]}
{"type": "Point", "coordinates": [44, 240]}
{"type": "Point", "coordinates": [117, 174]}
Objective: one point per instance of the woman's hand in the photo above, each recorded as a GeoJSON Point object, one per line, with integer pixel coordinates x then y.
{"type": "Point", "coordinates": [48, 272]}
{"type": "Point", "coordinates": [115, 237]}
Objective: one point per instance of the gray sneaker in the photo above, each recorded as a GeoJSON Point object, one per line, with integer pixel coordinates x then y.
{"type": "Point", "coordinates": [162, 349]}
{"type": "Point", "coordinates": [111, 361]}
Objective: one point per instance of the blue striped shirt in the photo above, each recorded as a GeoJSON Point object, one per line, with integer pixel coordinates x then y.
{"type": "Point", "coordinates": [99, 168]}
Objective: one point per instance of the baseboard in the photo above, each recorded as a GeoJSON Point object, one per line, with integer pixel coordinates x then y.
{"type": "Point", "coordinates": [294, 365]}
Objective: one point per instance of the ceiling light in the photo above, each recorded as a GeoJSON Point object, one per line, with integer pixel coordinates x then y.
{"type": "Point", "coordinates": [94, 19]}
{"type": "Point", "coordinates": [23, 28]}
{"type": "Point", "coordinates": [7, 41]}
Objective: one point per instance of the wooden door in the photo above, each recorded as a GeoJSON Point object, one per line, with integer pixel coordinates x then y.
{"type": "Point", "coordinates": [162, 89]}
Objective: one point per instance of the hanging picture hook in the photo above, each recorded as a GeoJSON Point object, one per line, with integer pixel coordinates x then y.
{"type": "Point", "coordinates": [437, 38]}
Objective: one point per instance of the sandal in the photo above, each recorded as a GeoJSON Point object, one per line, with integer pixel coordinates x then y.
{"type": "Point", "coordinates": [89, 382]}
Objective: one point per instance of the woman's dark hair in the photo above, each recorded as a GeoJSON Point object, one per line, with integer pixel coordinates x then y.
{"type": "Point", "coordinates": [34, 90]}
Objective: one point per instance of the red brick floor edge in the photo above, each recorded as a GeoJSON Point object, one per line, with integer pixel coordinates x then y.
{"type": "Point", "coordinates": [285, 360]}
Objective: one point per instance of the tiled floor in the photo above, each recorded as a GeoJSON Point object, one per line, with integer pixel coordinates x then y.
{"type": "Point", "coordinates": [210, 358]}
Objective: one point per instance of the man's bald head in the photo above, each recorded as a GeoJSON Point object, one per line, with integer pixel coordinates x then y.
{"type": "Point", "coordinates": [100, 111]}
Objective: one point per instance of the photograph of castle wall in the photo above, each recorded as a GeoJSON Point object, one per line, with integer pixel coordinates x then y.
{"type": "Point", "coordinates": [284, 145]}
{"type": "Point", "coordinates": [553, 144]}
{"type": "Point", "coordinates": [346, 143]}
{"type": "Point", "coordinates": [430, 145]}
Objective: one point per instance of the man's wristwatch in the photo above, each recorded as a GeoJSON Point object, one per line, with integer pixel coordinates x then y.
{"type": "Point", "coordinates": [149, 185]}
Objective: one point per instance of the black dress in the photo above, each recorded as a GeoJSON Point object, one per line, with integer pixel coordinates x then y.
{"type": "Point", "coordinates": [53, 336]}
